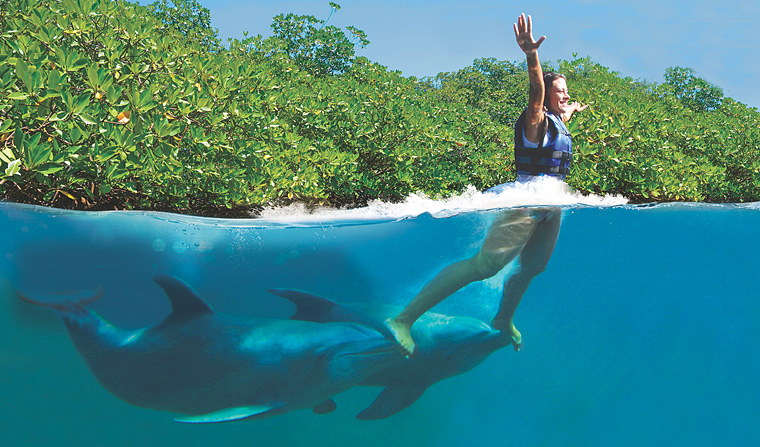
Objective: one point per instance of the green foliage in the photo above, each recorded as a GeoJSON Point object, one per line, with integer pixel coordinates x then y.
{"type": "Point", "coordinates": [313, 45]}
{"type": "Point", "coordinates": [110, 104]}
{"type": "Point", "coordinates": [644, 142]}
{"type": "Point", "coordinates": [99, 101]}
{"type": "Point", "coordinates": [188, 17]}
{"type": "Point", "coordinates": [693, 91]}
{"type": "Point", "coordinates": [495, 87]}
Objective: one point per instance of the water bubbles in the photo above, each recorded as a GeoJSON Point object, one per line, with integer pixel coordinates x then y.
{"type": "Point", "coordinates": [204, 246]}
{"type": "Point", "coordinates": [179, 247]}
{"type": "Point", "coordinates": [158, 245]}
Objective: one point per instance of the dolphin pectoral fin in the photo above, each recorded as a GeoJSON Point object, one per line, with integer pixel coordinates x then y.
{"type": "Point", "coordinates": [228, 414]}
{"type": "Point", "coordinates": [327, 406]}
{"type": "Point", "coordinates": [394, 398]}
{"type": "Point", "coordinates": [309, 307]}
{"type": "Point", "coordinates": [185, 302]}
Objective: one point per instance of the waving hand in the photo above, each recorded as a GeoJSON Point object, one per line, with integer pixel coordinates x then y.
{"type": "Point", "coordinates": [524, 35]}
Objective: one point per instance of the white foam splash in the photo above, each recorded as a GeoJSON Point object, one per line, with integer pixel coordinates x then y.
{"type": "Point", "coordinates": [541, 191]}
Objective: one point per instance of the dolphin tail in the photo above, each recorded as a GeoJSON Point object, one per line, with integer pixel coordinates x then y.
{"type": "Point", "coordinates": [73, 308]}
{"type": "Point", "coordinates": [394, 398]}
{"type": "Point", "coordinates": [74, 298]}
{"type": "Point", "coordinates": [81, 322]}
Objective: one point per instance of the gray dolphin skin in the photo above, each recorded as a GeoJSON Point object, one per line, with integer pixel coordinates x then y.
{"type": "Point", "coordinates": [211, 367]}
{"type": "Point", "coordinates": [446, 346]}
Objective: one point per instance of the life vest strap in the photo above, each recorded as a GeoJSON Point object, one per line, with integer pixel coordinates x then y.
{"type": "Point", "coordinates": [536, 169]}
{"type": "Point", "coordinates": [540, 152]}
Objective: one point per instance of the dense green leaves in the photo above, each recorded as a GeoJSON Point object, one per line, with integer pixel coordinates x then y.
{"type": "Point", "coordinates": [693, 91]}
{"type": "Point", "coordinates": [313, 45]}
{"type": "Point", "coordinates": [119, 102]}
{"type": "Point", "coordinates": [643, 141]}
{"type": "Point", "coordinates": [190, 19]}
{"type": "Point", "coordinates": [106, 103]}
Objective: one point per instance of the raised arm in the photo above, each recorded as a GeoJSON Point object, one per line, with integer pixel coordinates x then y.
{"type": "Point", "coordinates": [535, 115]}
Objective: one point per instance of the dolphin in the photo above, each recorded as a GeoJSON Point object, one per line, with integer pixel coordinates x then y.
{"type": "Point", "coordinates": [210, 367]}
{"type": "Point", "coordinates": [446, 346]}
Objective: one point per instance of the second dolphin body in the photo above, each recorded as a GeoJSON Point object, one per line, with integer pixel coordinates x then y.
{"type": "Point", "coordinates": [446, 346]}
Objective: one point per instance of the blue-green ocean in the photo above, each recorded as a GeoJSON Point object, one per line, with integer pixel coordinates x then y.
{"type": "Point", "coordinates": [643, 330]}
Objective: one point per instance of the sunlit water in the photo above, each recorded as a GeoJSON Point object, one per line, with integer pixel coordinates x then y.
{"type": "Point", "coordinates": [641, 331]}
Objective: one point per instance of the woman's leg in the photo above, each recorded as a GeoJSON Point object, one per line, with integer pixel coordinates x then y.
{"type": "Point", "coordinates": [533, 259]}
{"type": "Point", "coordinates": [504, 241]}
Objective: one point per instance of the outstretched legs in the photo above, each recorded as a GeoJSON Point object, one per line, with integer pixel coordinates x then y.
{"type": "Point", "coordinates": [509, 236]}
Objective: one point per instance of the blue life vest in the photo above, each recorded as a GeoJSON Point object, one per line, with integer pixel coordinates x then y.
{"type": "Point", "coordinates": [554, 159]}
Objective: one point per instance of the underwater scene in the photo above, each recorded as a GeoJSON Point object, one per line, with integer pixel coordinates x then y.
{"type": "Point", "coordinates": [128, 328]}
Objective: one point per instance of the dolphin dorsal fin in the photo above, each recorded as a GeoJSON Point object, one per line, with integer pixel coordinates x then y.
{"type": "Point", "coordinates": [185, 302]}
{"type": "Point", "coordinates": [309, 307]}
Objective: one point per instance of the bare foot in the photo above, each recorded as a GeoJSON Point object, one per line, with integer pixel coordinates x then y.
{"type": "Point", "coordinates": [510, 329]}
{"type": "Point", "coordinates": [516, 339]}
{"type": "Point", "coordinates": [402, 333]}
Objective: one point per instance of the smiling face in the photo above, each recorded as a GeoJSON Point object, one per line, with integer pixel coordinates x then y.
{"type": "Point", "coordinates": [557, 97]}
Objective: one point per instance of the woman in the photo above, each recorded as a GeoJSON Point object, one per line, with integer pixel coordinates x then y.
{"type": "Point", "coordinates": [543, 146]}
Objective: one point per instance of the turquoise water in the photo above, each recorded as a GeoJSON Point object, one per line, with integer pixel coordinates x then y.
{"type": "Point", "coordinates": [642, 330]}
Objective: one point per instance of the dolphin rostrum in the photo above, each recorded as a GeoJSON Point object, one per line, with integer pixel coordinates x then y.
{"type": "Point", "coordinates": [446, 346]}
{"type": "Point", "coordinates": [214, 368]}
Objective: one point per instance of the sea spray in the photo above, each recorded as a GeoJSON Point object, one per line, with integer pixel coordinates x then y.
{"type": "Point", "coordinates": [539, 192]}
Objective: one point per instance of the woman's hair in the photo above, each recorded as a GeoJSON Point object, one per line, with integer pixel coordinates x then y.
{"type": "Point", "coordinates": [549, 78]}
